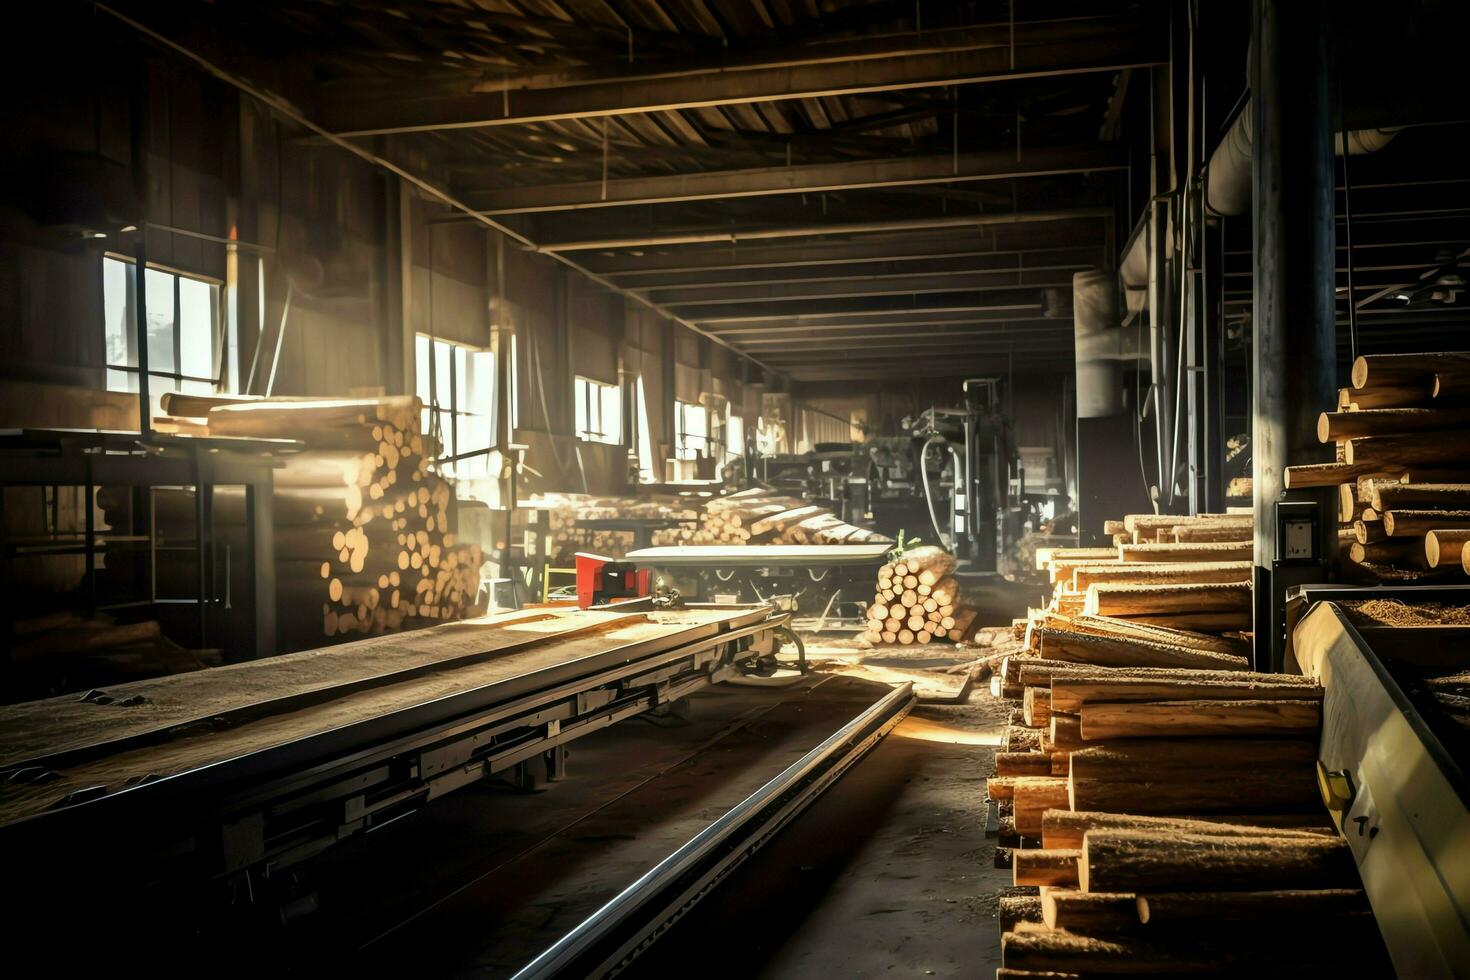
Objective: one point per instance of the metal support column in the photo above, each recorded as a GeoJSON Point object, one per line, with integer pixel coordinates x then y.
{"type": "Point", "coordinates": [1294, 311]}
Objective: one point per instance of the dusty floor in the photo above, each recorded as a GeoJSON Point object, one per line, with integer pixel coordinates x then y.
{"type": "Point", "coordinates": [888, 874]}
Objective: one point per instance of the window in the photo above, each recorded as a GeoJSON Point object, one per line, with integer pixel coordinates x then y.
{"type": "Point", "coordinates": [186, 349]}
{"type": "Point", "coordinates": [691, 430]}
{"type": "Point", "coordinates": [457, 386]}
{"type": "Point", "coordinates": [599, 411]}
{"type": "Point", "coordinates": [643, 435]}
{"type": "Point", "coordinates": [734, 436]}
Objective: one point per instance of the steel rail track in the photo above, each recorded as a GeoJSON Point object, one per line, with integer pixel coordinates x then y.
{"type": "Point", "coordinates": [613, 936]}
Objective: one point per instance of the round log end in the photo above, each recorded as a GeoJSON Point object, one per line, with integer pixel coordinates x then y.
{"type": "Point", "coordinates": [1431, 549]}
{"type": "Point", "coordinates": [1348, 455]}
{"type": "Point", "coordinates": [1324, 428]}
{"type": "Point", "coordinates": [1142, 902]}
{"type": "Point", "coordinates": [1388, 523]}
{"type": "Point", "coordinates": [1360, 372]}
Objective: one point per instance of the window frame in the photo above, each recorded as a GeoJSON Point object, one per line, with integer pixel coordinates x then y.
{"type": "Point", "coordinates": [454, 408]}
{"type": "Point", "coordinates": [682, 434]}
{"type": "Point", "coordinates": [585, 385]}
{"type": "Point", "coordinates": [221, 330]}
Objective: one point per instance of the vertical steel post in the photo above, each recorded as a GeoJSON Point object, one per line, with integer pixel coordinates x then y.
{"type": "Point", "coordinates": [1294, 310]}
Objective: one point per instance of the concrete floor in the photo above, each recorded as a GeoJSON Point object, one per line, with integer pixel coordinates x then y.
{"type": "Point", "coordinates": [889, 873]}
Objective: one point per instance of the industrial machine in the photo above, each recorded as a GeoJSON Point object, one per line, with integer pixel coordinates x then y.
{"type": "Point", "coordinates": [604, 580]}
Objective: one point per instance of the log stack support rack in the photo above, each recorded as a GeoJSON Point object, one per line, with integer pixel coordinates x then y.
{"type": "Point", "coordinates": [1399, 797]}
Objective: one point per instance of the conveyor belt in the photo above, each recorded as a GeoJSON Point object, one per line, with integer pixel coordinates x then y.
{"type": "Point", "coordinates": [1401, 800]}
{"type": "Point", "coordinates": [266, 762]}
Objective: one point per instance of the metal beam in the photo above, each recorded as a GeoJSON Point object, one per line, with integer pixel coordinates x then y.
{"type": "Point", "coordinates": [775, 349]}
{"type": "Point", "coordinates": [802, 179]}
{"type": "Point", "coordinates": [805, 254]}
{"type": "Point", "coordinates": [950, 223]}
{"type": "Point", "coordinates": [925, 265]}
{"type": "Point", "coordinates": [964, 56]}
{"type": "Point", "coordinates": [1019, 299]}
{"type": "Point", "coordinates": [745, 335]}
{"type": "Point", "coordinates": [906, 286]}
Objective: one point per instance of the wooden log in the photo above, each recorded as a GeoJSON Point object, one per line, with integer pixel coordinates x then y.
{"type": "Point", "coordinates": [1282, 905]}
{"type": "Point", "coordinates": [1394, 454]}
{"type": "Point", "coordinates": [1124, 599]}
{"type": "Point", "coordinates": [1308, 475]}
{"type": "Point", "coordinates": [1187, 551]}
{"type": "Point", "coordinates": [1199, 758]}
{"type": "Point", "coordinates": [1036, 706]}
{"type": "Point", "coordinates": [1337, 426]}
{"type": "Point", "coordinates": [1212, 531]}
{"type": "Point", "coordinates": [1142, 861]}
{"type": "Point", "coordinates": [1004, 787]}
{"type": "Point", "coordinates": [1385, 496]}
{"type": "Point", "coordinates": [1085, 912]}
{"type": "Point", "coordinates": [1417, 523]}
{"type": "Point", "coordinates": [1160, 573]}
{"type": "Point", "coordinates": [1110, 626]}
{"type": "Point", "coordinates": [1033, 796]}
{"type": "Point", "coordinates": [1015, 909]}
{"type": "Point", "coordinates": [1386, 396]}
{"type": "Point", "coordinates": [1176, 791]}
{"type": "Point", "coordinates": [1070, 692]}
{"type": "Point", "coordinates": [1039, 866]}
{"type": "Point", "coordinates": [1445, 547]}
{"type": "Point", "coordinates": [1367, 532]}
{"type": "Point", "coordinates": [1391, 551]}
{"type": "Point", "coordinates": [1020, 739]}
{"type": "Point", "coordinates": [1379, 370]}
{"type": "Point", "coordinates": [1064, 734]}
{"type": "Point", "coordinates": [1066, 828]}
{"type": "Point", "coordinates": [1185, 718]}
{"type": "Point", "coordinates": [1022, 764]}
{"type": "Point", "coordinates": [1035, 672]}
{"type": "Point", "coordinates": [1112, 651]}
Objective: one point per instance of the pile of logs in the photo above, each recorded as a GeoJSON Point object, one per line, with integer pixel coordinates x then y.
{"type": "Point", "coordinates": [362, 535]}
{"type": "Point", "coordinates": [64, 651]}
{"type": "Point", "coordinates": [918, 600]}
{"type": "Point", "coordinates": [1152, 814]}
{"type": "Point", "coordinates": [759, 516]}
{"type": "Point", "coordinates": [1403, 480]}
{"type": "Point", "coordinates": [1182, 572]}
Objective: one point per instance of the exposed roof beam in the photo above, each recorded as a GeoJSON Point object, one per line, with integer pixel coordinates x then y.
{"type": "Point", "coordinates": [778, 346]}
{"type": "Point", "coordinates": [875, 64]}
{"type": "Point", "coordinates": [948, 223]}
{"type": "Point", "coordinates": [745, 336]}
{"type": "Point", "coordinates": [997, 239]}
{"type": "Point", "coordinates": [897, 364]}
{"type": "Point", "coordinates": [914, 285]}
{"type": "Point", "coordinates": [801, 179]}
{"type": "Point", "coordinates": [924, 265]}
{"type": "Point", "coordinates": [1019, 299]}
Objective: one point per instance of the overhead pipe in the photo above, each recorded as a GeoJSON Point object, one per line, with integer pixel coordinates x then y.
{"type": "Point", "coordinates": [1228, 190]}
{"type": "Point", "coordinates": [1102, 345]}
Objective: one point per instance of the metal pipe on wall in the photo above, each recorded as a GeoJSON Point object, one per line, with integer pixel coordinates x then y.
{"type": "Point", "coordinates": [1294, 309]}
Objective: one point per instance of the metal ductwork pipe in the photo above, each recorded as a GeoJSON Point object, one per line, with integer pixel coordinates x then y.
{"type": "Point", "coordinates": [1102, 346]}
{"type": "Point", "coordinates": [1228, 190]}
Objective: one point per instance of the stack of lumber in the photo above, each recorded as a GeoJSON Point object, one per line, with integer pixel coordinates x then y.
{"type": "Point", "coordinates": [362, 523]}
{"type": "Point", "coordinates": [1232, 526]}
{"type": "Point", "coordinates": [918, 600]}
{"type": "Point", "coordinates": [1159, 812]}
{"type": "Point", "coordinates": [1402, 476]}
{"type": "Point", "coordinates": [1196, 585]}
{"type": "Point", "coordinates": [760, 516]}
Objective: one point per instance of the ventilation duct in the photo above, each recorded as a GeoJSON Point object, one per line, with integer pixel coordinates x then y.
{"type": "Point", "coordinates": [1102, 345]}
{"type": "Point", "coordinates": [1229, 189]}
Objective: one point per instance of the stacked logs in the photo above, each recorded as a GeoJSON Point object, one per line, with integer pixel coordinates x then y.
{"type": "Point", "coordinates": [1182, 584]}
{"type": "Point", "coordinates": [1403, 483]}
{"type": "Point", "coordinates": [1157, 812]}
{"type": "Point", "coordinates": [918, 600]}
{"type": "Point", "coordinates": [361, 521]}
{"type": "Point", "coordinates": [759, 516]}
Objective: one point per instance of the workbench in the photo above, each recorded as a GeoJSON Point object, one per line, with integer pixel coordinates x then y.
{"type": "Point", "coordinates": [258, 765]}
